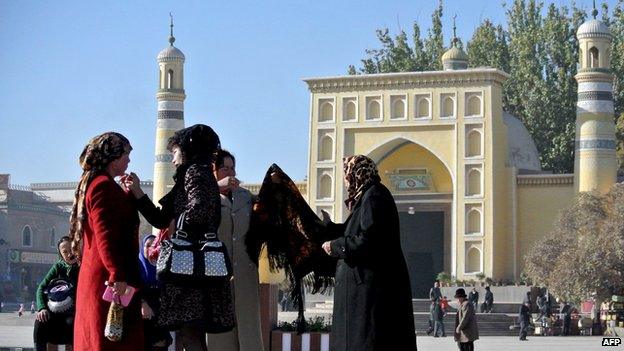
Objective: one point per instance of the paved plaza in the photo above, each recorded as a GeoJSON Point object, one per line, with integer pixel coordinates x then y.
{"type": "Point", "coordinates": [17, 332]}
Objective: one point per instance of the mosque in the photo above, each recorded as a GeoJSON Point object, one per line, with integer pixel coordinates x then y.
{"type": "Point", "coordinates": [466, 176]}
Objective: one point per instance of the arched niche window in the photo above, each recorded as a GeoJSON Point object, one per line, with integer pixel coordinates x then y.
{"type": "Point", "coordinates": [448, 106]}
{"type": "Point", "coordinates": [594, 57]}
{"type": "Point", "coordinates": [423, 108]}
{"type": "Point", "coordinates": [473, 225]}
{"type": "Point", "coordinates": [398, 107]}
{"type": "Point", "coordinates": [170, 79]}
{"type": "Point", "coordinates": [326, 112]}
{"type": "Point", "coordinates": [373, 110]}
{"type": "Point", "coordinates": [350, 111]}
{"type": "Point", "coordinates": [474, 182]}
{"type": "Point", "coordinates": [26, 236]}
{"type": "Point", "coordinates": [326, 150]}
{"type": "Point", "coordinates": [473, 260]}
{"type": "Point", "coordinates": [325, 187]}
{"type": "Point", "coordinates": [473, 146]}
{"type": "Point", "coordinates": [473, 106]}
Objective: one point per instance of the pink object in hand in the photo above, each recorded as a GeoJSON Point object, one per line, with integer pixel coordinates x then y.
{"type": "Point", "coordinates": [124, 300]}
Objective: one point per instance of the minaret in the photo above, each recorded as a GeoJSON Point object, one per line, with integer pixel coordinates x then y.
{"type": "Point", "coordinates": [595, 164]}
{"type": "Point", "coordinates": [170, 98]}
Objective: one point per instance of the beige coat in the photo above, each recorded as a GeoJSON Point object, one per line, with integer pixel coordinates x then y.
{"type": "Point", "coordinates": [466, 328]}
{"type": "Point", "coordinates": [246, 336]}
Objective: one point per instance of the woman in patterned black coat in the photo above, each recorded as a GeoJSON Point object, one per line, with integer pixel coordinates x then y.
{"type": "Point", "coordinates": [193, 310]}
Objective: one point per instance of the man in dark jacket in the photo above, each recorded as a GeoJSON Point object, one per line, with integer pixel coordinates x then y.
{"type": "Point", "coordinates": [566, 314]}
{"type": "Point", "coordinates": [489, 300]}
{"type": "Point", "coordinates": [524, 318]}
{"type": "Point", "coordinates": [473, 298]}
{"type": "Point", "coordinates": [466, 329]}
{"type": "Point", "coordinates": [434, 296]}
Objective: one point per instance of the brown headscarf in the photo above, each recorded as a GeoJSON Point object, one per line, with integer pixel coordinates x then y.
{"type": "Point", "coordinates": [95, 157]}
{"type": "Point", "coordinates": [360, 173]}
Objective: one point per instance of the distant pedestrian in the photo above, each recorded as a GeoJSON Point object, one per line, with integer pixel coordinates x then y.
{"type": "Point", "coordinates": [438, 315]}
{"type": "Point", "coordinates": [566, 315]}
{"type": "Point", "coordinates": [488, 301]}
{"type": "Point", "coordinates": [20, 312]}
{"type": "Point", "coordinates": [473, 298]}
{"type": "Point", "coordinates": [524, 319]}
{"type": "Point", "coordinates": [466, 329]}
{"type": "Point", "coordinates": [434, 296]}
{"type": "Point", "coordinates": [434, 293]}
{"type": "Point", "coordinates": [32, 307]}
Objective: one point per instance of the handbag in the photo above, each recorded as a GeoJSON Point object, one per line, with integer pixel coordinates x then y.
{"type": "Point", "coordinates": [193, 263]}
{"type": "Point", "coordinates": [61, 296]}
{"type": "Point", "coordinates": [113, 330]}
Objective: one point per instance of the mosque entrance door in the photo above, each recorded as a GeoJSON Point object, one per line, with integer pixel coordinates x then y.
{"type": "Point", "coordinates": [422, 240]}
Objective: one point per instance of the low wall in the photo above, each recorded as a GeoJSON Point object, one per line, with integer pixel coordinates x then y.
{"type": "Point", "coordinates": [502, 294]}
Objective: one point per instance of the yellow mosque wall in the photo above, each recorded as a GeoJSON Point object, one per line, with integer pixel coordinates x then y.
{"type": "Point", "coordinates": [540, 200]}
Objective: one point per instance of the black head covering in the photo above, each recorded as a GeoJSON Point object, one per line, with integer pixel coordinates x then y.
{"type": "Point", "coordinates": [198, 143]}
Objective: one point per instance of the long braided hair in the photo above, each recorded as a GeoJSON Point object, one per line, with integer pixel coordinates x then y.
{"type": "Point", "coordinates": [95, 157]}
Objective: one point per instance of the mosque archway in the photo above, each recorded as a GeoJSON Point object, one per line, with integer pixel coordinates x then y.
{"type": "Point", "coordinates": [422, 187]}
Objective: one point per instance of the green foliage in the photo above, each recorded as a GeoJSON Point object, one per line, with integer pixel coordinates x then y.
{"type": "Point", "coordinates": [585, 251]}
{"type": "Point", "coordinates": [315, 324]}
{"type": "Point", "coordinates": [538, 48]}
{"type": "Point", "coordinates": [444, 277]}
{"type": "Point", "coordinates": [480, 276]}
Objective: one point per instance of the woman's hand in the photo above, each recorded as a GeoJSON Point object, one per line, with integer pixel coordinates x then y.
{"type": "Point", "coordinates": [327, 247]}
{"type": "Point", "coordinates": [228, 183]}
{"type": "Point", "coordinates": [146, 311]}
{"type": "Point", "coordinates": [132, 183]}
{"type": "Point", "coordinates": [43, 315]}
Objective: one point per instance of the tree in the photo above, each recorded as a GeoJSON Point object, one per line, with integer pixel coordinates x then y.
{"type": "Point", "coordinates": [584, 253]}
{"type": "Point", "coordinates": [540, 52]}
{"type": "Point", "coordinates": [434, 44]}
{"type": "Point", "coordinates": [488, 47]}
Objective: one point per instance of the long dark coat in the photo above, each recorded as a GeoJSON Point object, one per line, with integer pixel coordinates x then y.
{"type": "Point", "coordinates": [372, 296]}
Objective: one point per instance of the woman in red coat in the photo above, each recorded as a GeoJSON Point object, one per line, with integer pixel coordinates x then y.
{"type": "Point", "coordinates": [104, 230]}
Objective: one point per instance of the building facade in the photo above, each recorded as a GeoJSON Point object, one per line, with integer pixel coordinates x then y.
{"type": "Point", "coordinates": [466, 176]}
{"type": "Point", "coordinates": [30, 226]}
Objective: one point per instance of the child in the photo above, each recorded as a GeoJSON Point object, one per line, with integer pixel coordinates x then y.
{"type": "Point", "coordinates": [54, 322]}
{"type": "Point", "coordinates": [156, 338]}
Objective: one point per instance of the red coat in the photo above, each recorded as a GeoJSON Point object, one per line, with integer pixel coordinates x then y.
{"type": "Point", "coordinates": [109, 253]}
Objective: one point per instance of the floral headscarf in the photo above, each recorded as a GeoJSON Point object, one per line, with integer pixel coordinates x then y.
{"type": "Point", "coordinates": [360, 173]}
{"type": "Point", "coordinates": [95, 157]}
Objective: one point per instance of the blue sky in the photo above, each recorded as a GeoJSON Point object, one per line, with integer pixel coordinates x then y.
{"type": "Point", "coordinates": [74, 69]}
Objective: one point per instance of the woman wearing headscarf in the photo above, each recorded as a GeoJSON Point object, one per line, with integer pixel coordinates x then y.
{"type": "Point", "coordinates": [104, 227]}
{"type": "Point", "coordinates": [156, 337]}
{"type": "Point", "coordinates": [193, 311]}
{"type": "Point", "coordinates": [54, 322]}
{"type": "Point", "coordinates": [236, 210]}
{"type": "Point", "coordinates": [372, 296]}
